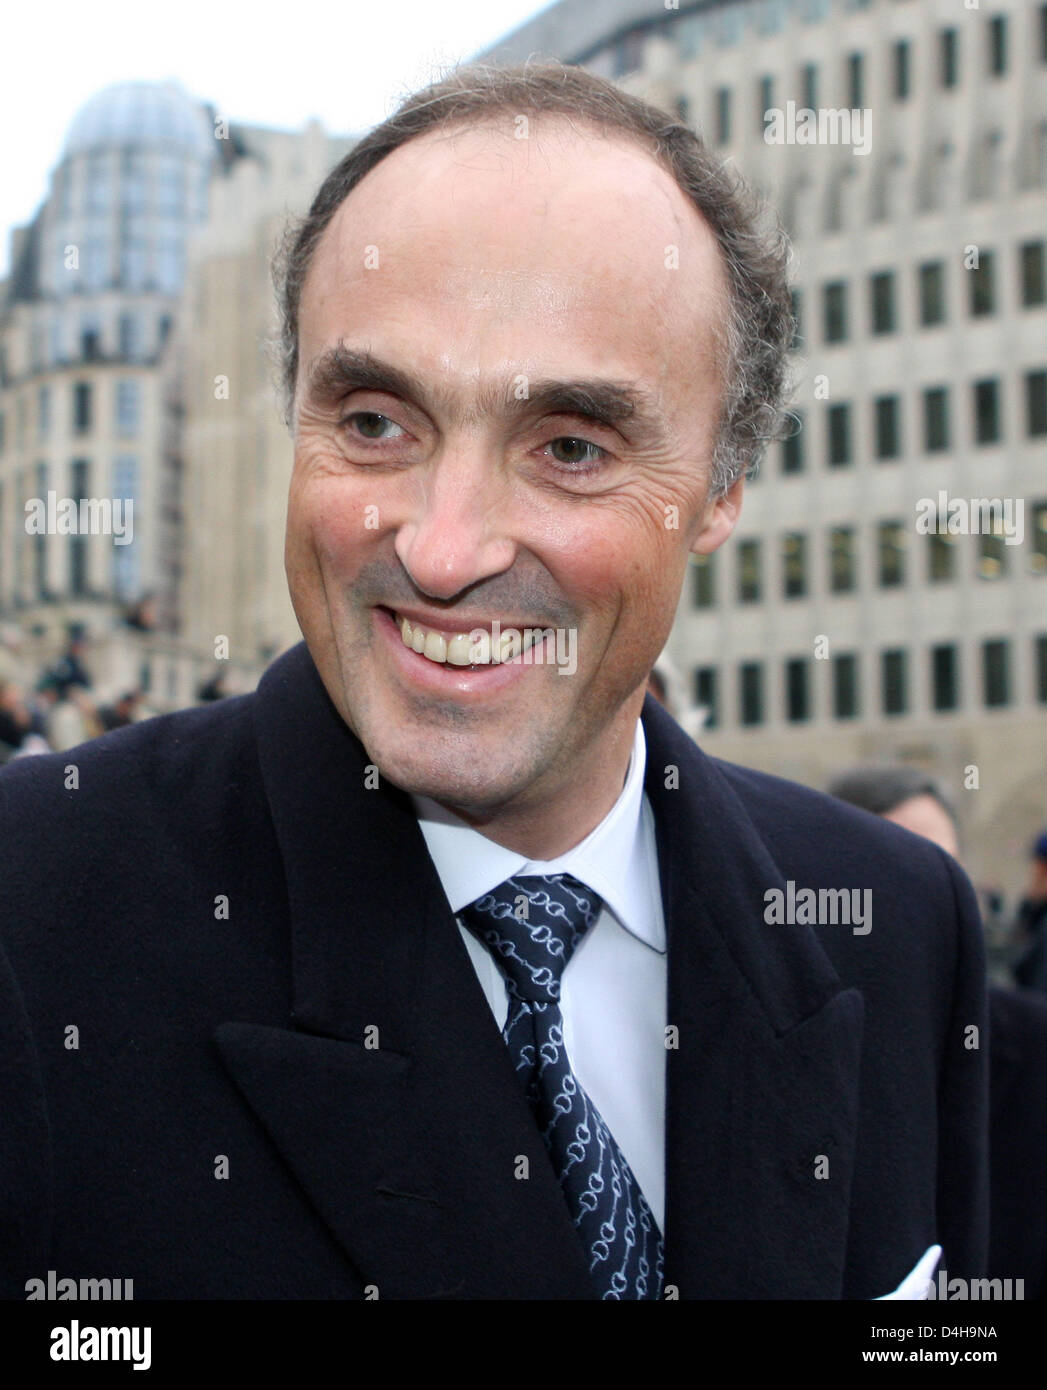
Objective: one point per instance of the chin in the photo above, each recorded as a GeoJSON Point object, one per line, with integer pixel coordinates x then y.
{"type": "Point", "coordinates": [475, 775]}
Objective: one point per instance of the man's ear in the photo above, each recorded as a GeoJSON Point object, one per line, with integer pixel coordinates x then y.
{"type": "Point", "coordinates": [721, 517]}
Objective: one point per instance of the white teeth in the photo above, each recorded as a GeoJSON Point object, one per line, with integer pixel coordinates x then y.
{"type": "Point", "coordinates": [474, 648]}
{"type": "Point", "coordinates": [436, 647]}
{"type": "Point", "coordinates": [459, 650]}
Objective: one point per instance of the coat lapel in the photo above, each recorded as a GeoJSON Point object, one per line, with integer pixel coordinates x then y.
{"type": "Point", "coordinates": [392, 1098]}
{"type": "Point", "coordinates": [761, 1090]}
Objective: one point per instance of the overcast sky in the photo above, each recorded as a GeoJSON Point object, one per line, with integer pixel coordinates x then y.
{"type": "Point", "coordinates": [347, 64]}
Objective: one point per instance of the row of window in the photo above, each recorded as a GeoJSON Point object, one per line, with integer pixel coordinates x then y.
{"type": "Point", "coordinates": [893, 697]}
{"type": "Point", "coordinates": [63, 338]}
{"type": "Point", "coordinates": [882, 299]}
{"type": "Point", "coordinates": [724, 26]}
{"type": "Point", "coordinates": [937, 435]}
{"type": "Point", "coordinates": [127, 410]}
{"type": "Point", "coordinates": [136, 180]}
{"type": "Point", "coordinates": [807, 94]}
{"type": "Point", "coordinates": [102, 260]}
{"type": "Point", "coordinates": [892, 540]}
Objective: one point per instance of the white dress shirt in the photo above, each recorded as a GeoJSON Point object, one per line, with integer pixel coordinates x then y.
{"type": "Point", "coordinates": [613, 994]}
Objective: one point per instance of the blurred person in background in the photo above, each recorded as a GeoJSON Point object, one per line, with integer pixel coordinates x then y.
{"type": "Point", "coordinates": [123, 711]}
{"type": "Point", "coordinates": [1017, 1041]}
{"type": "Point", "coordinates": [1031, 924]}
{"type": "Point", "coordinates": [72, 717]}
{"type": "Point", "coordinates": [15, 721]}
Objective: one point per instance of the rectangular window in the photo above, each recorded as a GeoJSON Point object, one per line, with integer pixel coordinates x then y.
{"type": "Point", "coordinates": [1036, 403]}
{"type": "Point", "coordinates": [704, 581]}
{"type": "Point", "coordinates": [794, 565]}
{"type": "Point", "coordinates": [941, 558]}
{"type": "Point", "coordinates": [845, 686]}
{"type": "Point", "coordinates": [839, 418]}
{"type": "Point", "coordinates": [798, 690]}
{"type": "Point", "coordinates": [764, 101]}
{"type": "Point", "coordinates": [792, 447]}
{"type": "Point", "coordinates": [981, 286]}
{"type": "Point", "coordinates": [843, 560]}
{"type": "Point", "coordinates": [932, 293]}
{"type": "Point", "coordinates": [935, 419]}
{"type": "Point", "coordinates": [945, 680]}
{"type": "Point", "coordinates": [1032, 274]}
{"type": "Point", "coordinates": [128, 408]}
{"type": "Point", "coordinates": [81, 406]}
{"type": "Point", "coordinates": [992, 553]}
{"type": "Point", "coordinates": [891, 541]}
{"type": "Point", "coordinates": [902, 76]}
{"type": "Point", "coordinates": [78, 543]}
{"type": "Point", "coordinates": [996, 675]}
{"type": "Point", "coordinates": [43, 412]}
{"type": "Point", "coordinates": [881, 302]}
{"type": "Point", "coordinates": [125, 557]}
{"type": "Point", "coordinates": [1041, 670]}
{"type": "Point", "coordinates": [855, 80]}
{"type": "Point", "coordinates": [987, 412]}
{"type": "Point", "coordinates": [1038, 539]}
{"type": "Point", "coordinates": [887, 412]}
{"type": "Point", "coordinates": [130, 337]}
{"type": "Point", "coordinates": [948, 57]}
{"type": "Point", "coordinates": [706, 695]}
{"type": "Point", "coordinates": [750, 579]}
{"type": "Point", "coordinates": [834, 311]}
{"type": "Point", "coordinates": [723, 115]}
{"type": "Point", "coordinates": [997, 54]}
{"type": "Point", "coordinates": [40, 539]}
{"type": "Point", "coordinates": [809, 84]}
{"type": "Point", "coordinates": [894, 681]}
{"type": "Point", "coordinates": [750, 692]}
{"type": "Point", "coordinates": [796, 299]}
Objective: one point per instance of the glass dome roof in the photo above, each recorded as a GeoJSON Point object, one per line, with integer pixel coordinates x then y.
{"type": "Point", "coordinates": [143, 114]}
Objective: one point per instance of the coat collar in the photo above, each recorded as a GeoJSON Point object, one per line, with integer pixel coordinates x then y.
{"type": "Point", "coordinates": [761, 1076]}
{"type": "Point", "coordinates": [411, 1149]}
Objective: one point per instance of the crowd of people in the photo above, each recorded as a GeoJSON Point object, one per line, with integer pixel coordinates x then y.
{"type": "Point", "coordinates": [62, 707]}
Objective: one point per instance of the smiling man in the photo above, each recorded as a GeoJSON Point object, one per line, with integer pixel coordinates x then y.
{"type": "Point", "coordinates": [439, 967]}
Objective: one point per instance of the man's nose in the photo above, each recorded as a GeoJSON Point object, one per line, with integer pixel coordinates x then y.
{"type": "Point", "coordinates": [454, 535]}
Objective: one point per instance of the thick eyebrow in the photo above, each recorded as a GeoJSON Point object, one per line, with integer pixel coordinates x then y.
{"type": "Point", "coordinates": [340, 370]}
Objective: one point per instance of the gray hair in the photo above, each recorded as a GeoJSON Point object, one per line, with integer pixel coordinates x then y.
{"type": "Point", "coordinates": [758, 323]}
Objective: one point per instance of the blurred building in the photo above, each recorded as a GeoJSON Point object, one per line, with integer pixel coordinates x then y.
{"type": "Point", "coordinates": [237, 450]}
{"type": "Point", "coordinates": [98, 397]}
{"type": "Point", "coordinates": [830, 630]}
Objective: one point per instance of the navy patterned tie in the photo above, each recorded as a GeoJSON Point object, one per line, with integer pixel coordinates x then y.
{"type": "Point", "coordinates": [532, 926]}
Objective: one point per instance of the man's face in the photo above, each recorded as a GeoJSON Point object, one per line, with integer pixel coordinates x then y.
{"type": "Point", "coordinates": [925, 815]}
{"type": "Point", "coordinates": [465, 486]}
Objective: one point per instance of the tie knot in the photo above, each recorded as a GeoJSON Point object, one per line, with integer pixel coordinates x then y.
{"type": "Point", "coordinates": [532, 925]}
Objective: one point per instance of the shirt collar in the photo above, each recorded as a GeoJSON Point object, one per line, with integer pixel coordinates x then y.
{"type": "Point", "coordinates": [617, 860]}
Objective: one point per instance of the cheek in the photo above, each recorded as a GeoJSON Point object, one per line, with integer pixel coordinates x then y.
{"type": "Point", "coordinates": [625, 559]}
{"type": "Point", "coordinates": [331, 517]}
